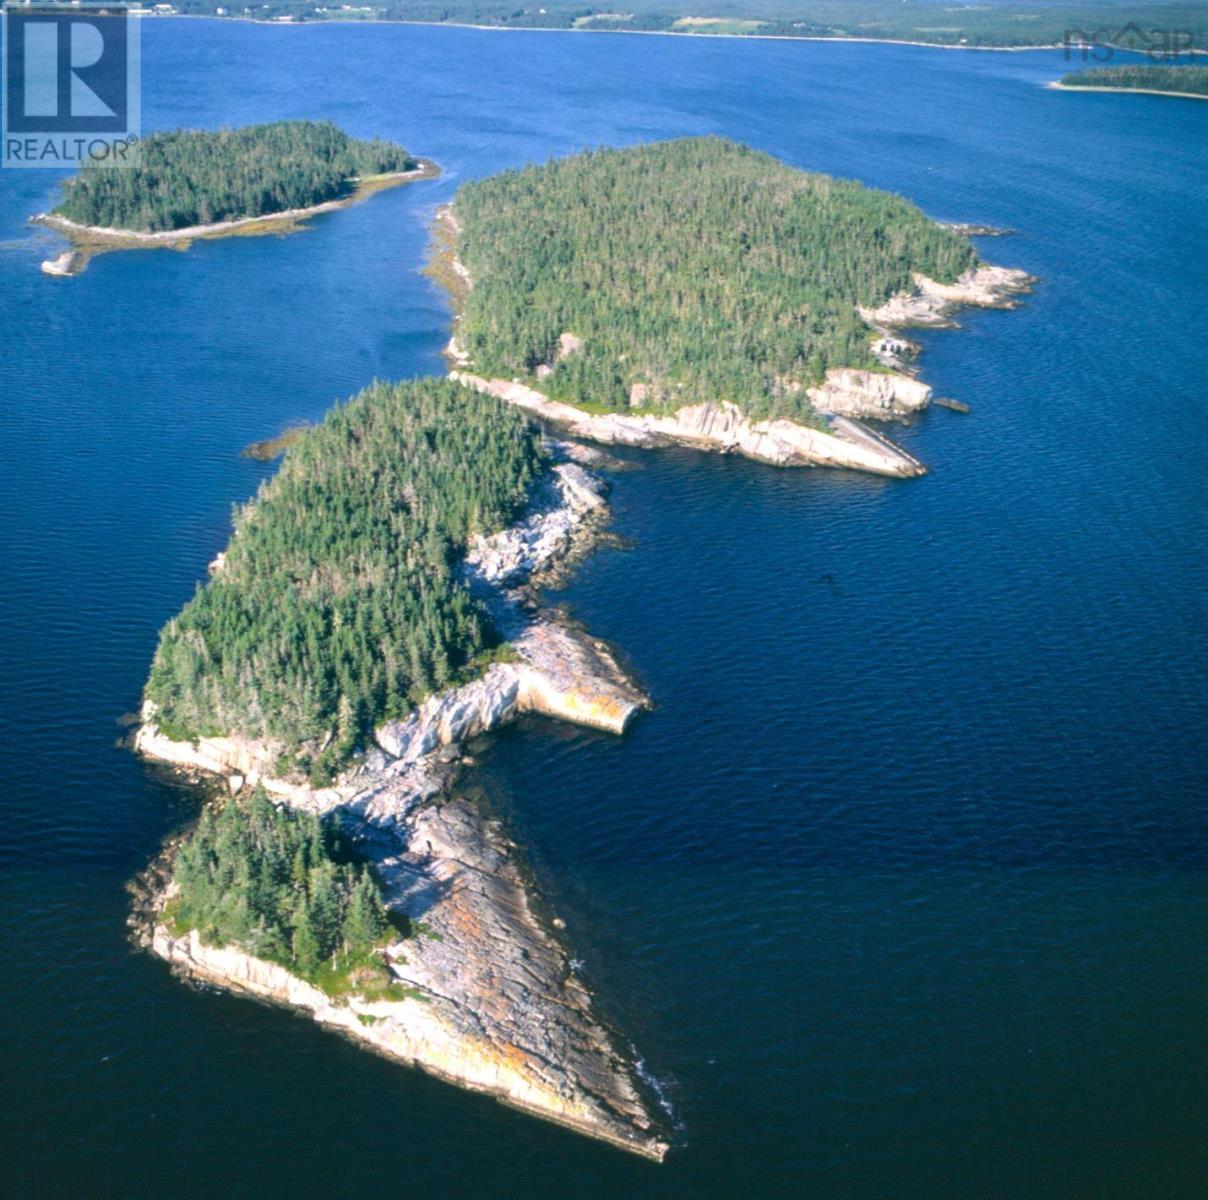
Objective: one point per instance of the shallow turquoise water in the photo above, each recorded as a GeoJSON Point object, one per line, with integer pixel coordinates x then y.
{"type": "Point", "coordinates": [899, 890]}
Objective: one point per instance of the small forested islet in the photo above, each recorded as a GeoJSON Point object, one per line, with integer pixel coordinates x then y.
{"type": "Point", "coordinates": [1188, 81]}
{"type": "Point", "coordinates": [193, 177]}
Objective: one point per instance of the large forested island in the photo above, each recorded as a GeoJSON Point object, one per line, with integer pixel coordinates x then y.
{"type": "Point", "coordinates": [364, 623]}
{"type": "Point", "coordinates": [337, 604]}
{"type": "Point", "coordinates": [200, 177]}
{"type": "Point", "coordinates": [684, 272]}
{"type": "Point", "coordinates": [1157, 80]}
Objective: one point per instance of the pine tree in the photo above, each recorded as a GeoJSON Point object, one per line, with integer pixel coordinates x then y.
{"type": "Point", "coordinates": [281, 884]}
{"type": "Point", "coordinates": [307, 950]}
{"type": "Point", "coordinates": [365, 924]}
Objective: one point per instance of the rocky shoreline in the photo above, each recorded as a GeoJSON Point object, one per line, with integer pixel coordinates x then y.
{"type": "Point", "coordinates": [90, 240]}
{"type": "Point", "coordinates": [846, 398]}
{"type": "Point", "coordinates": [932, 305]}
{"type": "Point", "coordinates": [494, 1002]}
{"type": "Point", "coordinates": [721, 426]}
{"type": "Point", "coordinates": [1058, 86]}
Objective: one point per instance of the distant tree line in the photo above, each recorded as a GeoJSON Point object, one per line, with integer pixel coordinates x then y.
{"type": "Point", "coordinates": [1191, 80]}
{"type": "Point", "coordinates": [1012, 23]}
{"type": "Point", "coordinates": [699, 268]}
{"type": "Point", "coordinates": [339, 603]}
{"type": "Point", "coordinates": [280, 884]}
{"type": "Point", "coordinates": [196, 177]}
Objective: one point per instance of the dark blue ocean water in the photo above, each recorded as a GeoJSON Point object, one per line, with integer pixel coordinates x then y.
{"type": "Point", "coordinates": [901, 887]}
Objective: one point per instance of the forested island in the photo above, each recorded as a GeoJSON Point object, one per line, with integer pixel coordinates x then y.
{"type": "Point", "coordinates": [1012, 25]}
{"type": "Point", "coordinates": [206, 183]}
{"type": "Point", "coordinates": [1157, 80]}
{"type": "Point", "coordinates": [199, 177]}
{"type": "Point", "coordinates": [724, 274]}
{"type": "Point", "coordinates": [337, 604]}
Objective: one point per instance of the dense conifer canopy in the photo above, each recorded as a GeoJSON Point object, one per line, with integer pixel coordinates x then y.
{"type": "Point", "coordinates": [194, 177]}
{"type": "Point", "coordinates": [700, 268]}
{"type": "Point", "coordinates": [339, 602]}
{"type": "Point", "coordinates": [281, 884]}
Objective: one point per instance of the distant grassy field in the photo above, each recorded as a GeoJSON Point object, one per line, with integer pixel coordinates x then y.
{"type": "Point", "coordinates": [601, 18]}
{"type": "Point", "coordinates": [717, 25]}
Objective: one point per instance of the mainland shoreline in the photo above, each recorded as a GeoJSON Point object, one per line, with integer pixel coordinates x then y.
{"type": "Point", "coordinates": [679, 33]}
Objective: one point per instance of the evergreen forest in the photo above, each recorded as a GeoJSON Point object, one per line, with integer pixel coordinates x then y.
{"type": "Point", "coordinates": [198, 177]}
{"type": "Point", "coordinates": [339, 602]}
{"type": "Point", "coordinates": [700, 269]}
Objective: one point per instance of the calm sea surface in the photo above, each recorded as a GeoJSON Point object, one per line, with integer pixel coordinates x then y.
{"type": "Point", "coordinates": [900, 890]}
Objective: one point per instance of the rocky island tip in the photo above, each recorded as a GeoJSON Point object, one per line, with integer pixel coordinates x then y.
{"type": "Point", "coordinates": [192, 184]}
{"type": "Point", "coordinates": [736, 304]}
{"type": "Point", "coordinates": [347, 645]}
